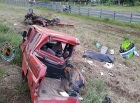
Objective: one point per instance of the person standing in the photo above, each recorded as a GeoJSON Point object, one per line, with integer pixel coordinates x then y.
{"type": "Point", "coordinates": [31, 2]}
{"type": "Point", "coordinates": [64, 7]}
{"type": "Point", "coordinates": [69, 8]}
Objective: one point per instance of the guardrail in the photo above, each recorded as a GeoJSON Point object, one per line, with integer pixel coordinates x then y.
{"type": "Point", "coordinates": [120, 16]}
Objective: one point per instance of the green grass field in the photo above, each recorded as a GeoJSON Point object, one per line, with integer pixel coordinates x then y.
{"type": "Point", "coordinates": [132, 9]}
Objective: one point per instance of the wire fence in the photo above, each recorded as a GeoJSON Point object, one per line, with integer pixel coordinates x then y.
{"type": "Point", "coordinates": [120, 16]}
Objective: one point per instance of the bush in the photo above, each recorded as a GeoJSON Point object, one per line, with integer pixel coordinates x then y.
{"type": "Point", "coordinates": [106, 19]}
{"type": "Point", "coordinates": [46, 1]}
{"type": "Point", "coordinates": [137, 3]}
{"type": "Point", "coordinates": [109, 3]}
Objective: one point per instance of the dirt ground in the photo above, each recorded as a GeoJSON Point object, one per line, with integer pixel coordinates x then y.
{"type": "Point", "coordinates": [12, 88]}
{"type": "Point", "coordinates": [122, 87]}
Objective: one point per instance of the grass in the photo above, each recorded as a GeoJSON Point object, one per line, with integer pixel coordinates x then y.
{"type": "Point", "coordinates": [104, 20]}
{"type": "Point", "coordinates": [22, 87]}
{"type": "Point", "coordinates": [131, 9]}
{"type": "Point", "coordinates": [7, 35]}
{"type": "Point", "coordinates": [94, 91]}
{"type": "Point", "coordinates": [2, 73]}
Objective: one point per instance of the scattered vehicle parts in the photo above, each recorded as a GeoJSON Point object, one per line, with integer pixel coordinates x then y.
{"type": "Point", "coordinates": [108, 65]}
{"type": "Point", "coordinates": [104, 50]}
{"type": "Point", "coordinates": [31, 18]}
{"type": "Point", "coordinates": [107, 100]}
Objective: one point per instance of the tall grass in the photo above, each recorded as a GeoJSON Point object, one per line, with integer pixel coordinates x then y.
{"type": "Point", "coordinates": [8, 36]}
{"type": "Point", "coordinates": [94, 91]}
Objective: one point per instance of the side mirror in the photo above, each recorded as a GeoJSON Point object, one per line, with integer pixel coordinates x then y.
{"type": "Point", "coordinates": [24, 34]}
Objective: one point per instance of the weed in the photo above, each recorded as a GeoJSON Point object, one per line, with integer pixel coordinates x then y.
{"type": "Point", "coordinates": [125, 63]}
{"type": "Point", "coordinates": [106, 19]}
{"type": "Point", "coordinates": [22, 88]}
{"type": "Point", "coordinates": [3, 28]}
{"type": "Point", "coordinates": [2, 73]}
{"type": "Point", "coordinates": [136, 40]}
{"type": "Point", "coordinates": [126, 36]}
{"type": "Point", "coordinates": [94, 91]}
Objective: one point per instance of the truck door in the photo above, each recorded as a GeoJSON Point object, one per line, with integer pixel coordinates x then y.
{"type": "Point", "coordinates": [34, 65]}
{"type": "Point", "coordinates": [25, 50]}
{"type": "Point", "coordinates": [36, 69]}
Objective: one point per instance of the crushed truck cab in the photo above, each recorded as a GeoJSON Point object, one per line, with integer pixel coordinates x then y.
{"type": "Point", "coordinates": [45, 55]}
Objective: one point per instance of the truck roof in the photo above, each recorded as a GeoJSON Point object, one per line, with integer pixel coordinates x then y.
{"type": "Point", "coordinates": [55, 35]}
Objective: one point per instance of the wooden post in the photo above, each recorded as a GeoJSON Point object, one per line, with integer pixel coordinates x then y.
{"type": "Point", "coordinates": [88, 11]}
{"type": "Point", "coordinates": [51, 6]}
{"type": "Point", "coordinates": [56, 6]}
{"type": "Point", "coordinates": [101, 13]}
{"type": "Point", "coordinates": [79, 10]}
{"type": "Point", "coordinates": [131, 17]}
{"type": "Point", "coordinates": [114, 14]}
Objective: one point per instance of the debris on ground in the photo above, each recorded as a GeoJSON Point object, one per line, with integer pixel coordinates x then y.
{"type": "Point", "coordinates": [15, 24]}
{"type": "Point", "coordinates": [104, 50]}
{"type": "Point", "coordinates": [83, 68]}
{"type": "Point", "coordinates": [108, 65]}
{"type": "Point", "coordinates": [106, 100]}
{"type": "Point", "coordinates": [136, 53]}
{"type": "Point", "coordinates": [127, 49]}
{"type": "Point", "coordinates": [31, 18]}
{"type": "Point", "coordinates": [98, 56]}
{"type": "Point", "coordinates": [98, 45]}
{"type": "Point", "coordinates": [111, 74]}
{"type": "Point", "coordinates": [91, 63]}
{"type": "Point", "coordinates": [101, 73]}
{"type": "Point", "coordinates": [112, 52]}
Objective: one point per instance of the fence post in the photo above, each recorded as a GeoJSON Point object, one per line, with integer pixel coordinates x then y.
{"type": "Point", "coordinates": [114, 14]}
{"type": "Point", "coordinates": [79, 10]}
{"type": "Point", "coordinates": [70, 8]}
{"type": "Point", "coordinates": [131, 17]}
{"type": "Point", "coordinates": [51, 6]}
{"type": "Point", "coordinates": [101, 13]}
{"type": "Point", "coordinates": [56, 7]}
{"type": "Point", "coordinates": [88, 11]}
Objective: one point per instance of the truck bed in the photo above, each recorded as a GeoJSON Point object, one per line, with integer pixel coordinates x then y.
{"type": "Point", "coordinates": [50, 87]}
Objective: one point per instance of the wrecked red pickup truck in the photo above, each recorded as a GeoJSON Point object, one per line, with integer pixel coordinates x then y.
{"type": "Point", "coordinates": [45, 63]}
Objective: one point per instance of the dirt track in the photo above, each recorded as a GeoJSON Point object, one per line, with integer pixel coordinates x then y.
{"type": "Point", "coordinates": [122, 87]}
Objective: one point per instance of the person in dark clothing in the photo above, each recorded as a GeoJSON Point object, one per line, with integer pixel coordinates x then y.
{"type": "Point", "coordinates": [69, 8]}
